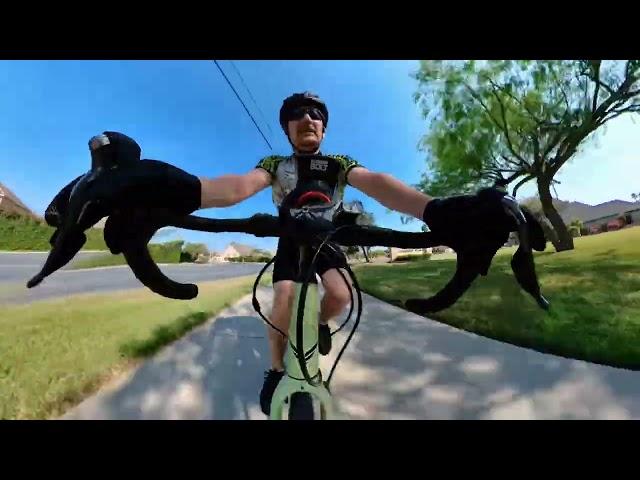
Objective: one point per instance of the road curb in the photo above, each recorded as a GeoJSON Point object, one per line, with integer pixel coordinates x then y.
{"type": "Point", "coordinates": [47, 251]}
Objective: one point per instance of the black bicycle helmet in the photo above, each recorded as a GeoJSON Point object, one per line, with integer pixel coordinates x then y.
{"type": "Point", "coordinates": [299, 100]}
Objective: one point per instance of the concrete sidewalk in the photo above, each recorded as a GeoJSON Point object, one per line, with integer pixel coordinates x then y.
{"type": "Point", "coordinates": [398, 366]}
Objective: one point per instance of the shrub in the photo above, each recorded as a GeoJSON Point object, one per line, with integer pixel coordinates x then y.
{"type": "Point", "coordinates": [18, 232]}
{"type": "Point", "coordinates": [169, 252]}
{"type": "Point", "coordinates": [191, 251]}
{"type": "Point", "coordinates": [574, 230]}
{"type": "Point", "coordinates": [250, 258]}
{"type": "Point", "coordinates": [413, 258]}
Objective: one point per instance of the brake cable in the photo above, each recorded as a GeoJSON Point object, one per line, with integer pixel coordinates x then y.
{"type": "Point", "coordinates": [356, 321]}
{"type": "Point", "coordinates": [254, 299]}
{"type": "Point", "coordinates": [256, 304]}
{"type": "Point", "coordinates": [301, 303]}
{"type": "Point", "coordinates": [257, 308]}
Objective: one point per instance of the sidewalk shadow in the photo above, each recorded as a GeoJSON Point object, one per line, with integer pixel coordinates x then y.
{"type": "Point", "coordinates": [404, 366]}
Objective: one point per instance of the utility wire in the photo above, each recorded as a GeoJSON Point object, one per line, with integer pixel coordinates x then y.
{"type": "Point", "coordinates": [245, 107]}
{"type": "Point", "coordinates": [250, 95]}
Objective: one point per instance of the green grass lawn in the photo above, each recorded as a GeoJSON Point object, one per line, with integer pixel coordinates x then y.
{"type": "Point", "coordinates": [160, 252]}
{"type": "Point", "coordinates": [594, 292]}
{"type": "Point", "coordinates": [55, 353]}
{"type": "Point", "coordinates": [106, 259]}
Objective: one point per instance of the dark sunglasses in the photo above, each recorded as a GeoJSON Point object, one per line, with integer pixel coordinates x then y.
{"type": "Point", "coordinates": [314, 113]}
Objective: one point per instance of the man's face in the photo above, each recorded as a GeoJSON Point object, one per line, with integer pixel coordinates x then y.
{"type": "Point", "coordinates": [306, 133]}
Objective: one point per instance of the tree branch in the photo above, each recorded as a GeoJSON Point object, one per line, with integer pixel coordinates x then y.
{"type": "Point", "coordinates": [496, 123]}
{"type": "Point", "coordinates": [477, 98]}
{"type": "Point", "coordinates": [571, 141]}
{"type": "Point", "coordinates": [513, 177]}
{"type": "Point", "coordinates": [505, 126]}
{"type": "Point", "coordinates": [520, 102]}
{"type": "Point", "coordinates": [554, 142]}
{"type": "Point", "coordinates": [521, 183]}
{"type": "Point", "coordinates": [559, 84]}
{"type": "Point", "coordinates": [616, 113]}
{"type": "Point", "coordinates": [512, 162]}
{"type": "Point", "coordinates": [596, 78]}
{"type": "Point", "coordinates": [627, 69]}
{"type": "Point", "coordinates": [505, 170]}
{"type": "Point", "coordinates": [536, 149]}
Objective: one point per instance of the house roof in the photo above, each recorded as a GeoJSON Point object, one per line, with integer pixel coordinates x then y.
{"type": "Point", "coordinates": [589, 213]}
{"type": "Point", "coordinates": [242, 249]}
{"type": "Point", "coordinates": [10, 202]}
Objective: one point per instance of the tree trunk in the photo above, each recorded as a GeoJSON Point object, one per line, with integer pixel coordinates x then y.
{"type": "Point", "coordinates": [563, 240]}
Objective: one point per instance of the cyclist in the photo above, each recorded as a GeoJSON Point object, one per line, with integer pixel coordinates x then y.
{"type": "Point", "coordinates": [304, 118]}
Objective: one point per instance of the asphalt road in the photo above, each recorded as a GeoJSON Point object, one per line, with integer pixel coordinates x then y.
{"type": "Point", "coordinates": [17, 268]}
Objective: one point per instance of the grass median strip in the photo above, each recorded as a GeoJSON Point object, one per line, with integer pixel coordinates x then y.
{"type": "Point", "coordinates": [594, 292]}
{"type": "Point", "coordinates": [55, 353]}
{"type": "Point", "coordinates": [168, 252]}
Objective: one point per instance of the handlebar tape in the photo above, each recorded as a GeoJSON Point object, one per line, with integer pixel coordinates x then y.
{"type": "Point", "coordinates": [64, 249]}
{"type": "Point", "coordinates": [145, 270]}
{"type": "Point", "coordinates": [449, 294]}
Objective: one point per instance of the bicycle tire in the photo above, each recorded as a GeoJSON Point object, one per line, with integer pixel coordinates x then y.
{"type": "Point", "coordinates": [301, 407]}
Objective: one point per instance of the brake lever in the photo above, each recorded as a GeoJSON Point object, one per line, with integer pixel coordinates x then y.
{"type": "Point", "coordinates": [69, 237]}
{"type": "Point", "coordinates": [522, 263]}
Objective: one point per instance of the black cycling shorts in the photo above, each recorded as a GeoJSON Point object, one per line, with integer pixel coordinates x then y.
{"type": "Point", "coordinates": [285, 266]}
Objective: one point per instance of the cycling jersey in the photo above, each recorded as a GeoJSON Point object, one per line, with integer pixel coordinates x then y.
{"type": "Point", "coordinates": [288, 172]}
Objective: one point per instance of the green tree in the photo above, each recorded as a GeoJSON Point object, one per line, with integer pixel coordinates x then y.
{"type": "Point", "coordinates": [193, 250]}
{"type": "Point", "coordinates": [516, 121]}
{"type": "Point", "coordinates": [535, 207]}
{"type": "Point", "coordinates": [366, 218]}
{"type": "Point", "coordinates": [363, 218]}
{"type": "Point", "coordinates": [575, 227]}
{"type": "Point", "coordinates": [635, 197]}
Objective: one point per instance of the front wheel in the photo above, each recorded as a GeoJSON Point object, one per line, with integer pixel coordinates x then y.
{"type": "Point", "coordinates": [301, 407]}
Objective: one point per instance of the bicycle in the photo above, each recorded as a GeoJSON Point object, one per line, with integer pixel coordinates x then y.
{"type": "Point", "coordinates": [307, 222]}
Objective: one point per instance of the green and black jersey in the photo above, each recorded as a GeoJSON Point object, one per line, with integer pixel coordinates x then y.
{"type": "Point", "coordinates": [287, 171]}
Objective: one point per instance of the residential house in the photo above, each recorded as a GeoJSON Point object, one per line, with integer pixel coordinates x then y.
{"type": "Point", "coordinates": [632, 217]}
{"type": "Point", "coordinates": [11, 204]}
{"type": "Point", "coordinates": [237, 250]}
{"type": "Point", "coordinates": [216, 257]}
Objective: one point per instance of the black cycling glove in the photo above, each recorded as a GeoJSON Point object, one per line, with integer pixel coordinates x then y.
{"type": "Point", "coordinates": [469, 214]}
{"type": "Point", "coordinates": [117, 183]}
{"type": "Point", "coordinates": [478, 225]}
{"type": "Point", "coordinates": [119, 180]}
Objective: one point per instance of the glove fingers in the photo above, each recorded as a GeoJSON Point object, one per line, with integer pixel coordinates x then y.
{"type": "Point", "coordinates": [57, 209]}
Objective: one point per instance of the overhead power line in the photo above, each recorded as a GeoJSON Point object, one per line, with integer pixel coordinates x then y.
{"type": "Point", "coordinates": [245, 107]}
{"type": "Point", "coordinates": [250, 95]}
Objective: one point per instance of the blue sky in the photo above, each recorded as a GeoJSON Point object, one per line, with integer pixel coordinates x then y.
{"type": "Point", "coordinates": [183, 112]}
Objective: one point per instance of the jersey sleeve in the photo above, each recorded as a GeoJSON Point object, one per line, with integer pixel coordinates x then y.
{"type": "Point", "coordinates": [270, 164]}
{"type": "Point", "coordinates": [346, 164]}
